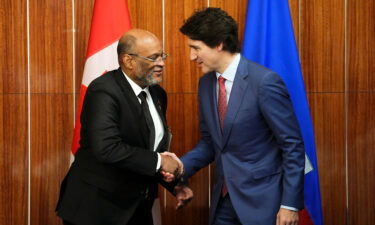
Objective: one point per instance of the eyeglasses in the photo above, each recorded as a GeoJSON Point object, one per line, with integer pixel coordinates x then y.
{"type": "Point", "coordinates": [155, 58]}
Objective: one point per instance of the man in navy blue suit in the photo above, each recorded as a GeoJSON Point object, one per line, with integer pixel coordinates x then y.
{"type": "Point", "coordinates": [248, 128]}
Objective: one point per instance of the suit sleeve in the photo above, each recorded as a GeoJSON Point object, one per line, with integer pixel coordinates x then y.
{"type": "Point", "coordinates": [162, 96]}
{"type": "Point", "coordinates": [277, 109]}
{"type": "Point", "coordinates": [100, 118]}
{"type": "Point", "coordinates": [203, 153]}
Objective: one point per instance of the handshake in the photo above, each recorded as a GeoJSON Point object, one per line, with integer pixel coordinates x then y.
{"type": "Point", "coordinates": [172, 168]}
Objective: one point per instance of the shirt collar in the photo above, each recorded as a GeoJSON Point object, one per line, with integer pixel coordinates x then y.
{"type": "Point", "coordinates": [136, 88]}
{"type": "Point", "coordinates": [230, 71]}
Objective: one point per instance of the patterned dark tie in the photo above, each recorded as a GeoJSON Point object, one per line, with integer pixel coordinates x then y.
{"type": "Point", "coordinates": [222, 109]}
{"type": "Point", "coordinates": [149, 121]}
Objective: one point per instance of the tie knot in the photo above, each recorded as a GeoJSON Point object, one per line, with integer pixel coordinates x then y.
{"type": "Point", "coordinates": [142, 96]}
{"type": "Point", "coordinates": [221, 79]}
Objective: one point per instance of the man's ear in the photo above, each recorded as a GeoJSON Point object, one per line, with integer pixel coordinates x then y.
{"type": "Point", "coordinates": [220, 46]}
{"type": "Point", "coordinates": [127, 61]}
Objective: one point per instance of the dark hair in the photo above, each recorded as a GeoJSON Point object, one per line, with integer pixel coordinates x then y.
{"type": "Point", "coordinates": [213, 26]}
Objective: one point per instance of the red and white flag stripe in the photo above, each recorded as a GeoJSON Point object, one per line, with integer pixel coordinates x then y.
{"type": "Point", "coordinates": [109, 21]}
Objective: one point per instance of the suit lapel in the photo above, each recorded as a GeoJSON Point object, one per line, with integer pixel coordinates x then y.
{"type": "Point", "coordinates": [128, 91]}
{"type": "Point", "coordinates": [162, 145]}
{"type": "Point", "coordinates": [213, 100]}
{"type": "Point", "coordinates": [208, 103]}
{"type": "Point", "coordinates": [236, 97]}
{"type": "Point", "coordinates": [134, 104]}
{"type": "Point", "coordinates": [158, 106]}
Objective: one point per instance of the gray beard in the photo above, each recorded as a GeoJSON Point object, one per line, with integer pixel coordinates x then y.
{"type": "Point", "coordinates": [147, 80]}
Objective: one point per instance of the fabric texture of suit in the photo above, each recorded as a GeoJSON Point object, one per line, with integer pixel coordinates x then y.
{"type": "Point", "coordinates": [114, 170]}
{"type": "Point", "coordinates": [260, 153]}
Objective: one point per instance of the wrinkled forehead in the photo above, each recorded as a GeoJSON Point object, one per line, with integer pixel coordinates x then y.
{"type": "Point", "coordinates": [148, 46]}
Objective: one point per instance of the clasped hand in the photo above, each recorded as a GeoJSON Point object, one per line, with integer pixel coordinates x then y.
{"type": "Point", "coordinates": [171, 166]}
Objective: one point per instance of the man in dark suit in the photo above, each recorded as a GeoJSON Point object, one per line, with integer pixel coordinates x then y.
{"type": "Point", "coordinates": [248, 128]}
{"type": "Point", "coordinates": [113, 179]}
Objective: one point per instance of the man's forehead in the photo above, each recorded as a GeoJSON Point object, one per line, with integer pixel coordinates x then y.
{"type": "Point", "coordinates": [149, 47]}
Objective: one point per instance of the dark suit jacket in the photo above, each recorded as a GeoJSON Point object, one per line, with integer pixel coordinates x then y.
{"type": "Point", "coordinates": [114, 170]}
{"type": "Point", "coordinates": [260, 153]}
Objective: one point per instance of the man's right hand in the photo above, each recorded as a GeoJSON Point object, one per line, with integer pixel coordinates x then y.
{"type": "Point", "coordinates": [170, 164]}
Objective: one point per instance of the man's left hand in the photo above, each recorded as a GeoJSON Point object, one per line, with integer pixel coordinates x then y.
{"type": "Point", "coordinates": [287, 217]}
{"type": "Point", "coordinates": [183, 195]}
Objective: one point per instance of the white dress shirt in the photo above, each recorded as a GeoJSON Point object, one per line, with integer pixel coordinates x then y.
{"type": "Point", "coordinates": [229, 74]}
{"type": "Point", "coordinates": [159, 129]}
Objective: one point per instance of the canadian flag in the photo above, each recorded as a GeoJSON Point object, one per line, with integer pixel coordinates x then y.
{"type": "Point", "coordinates": [109, 21]}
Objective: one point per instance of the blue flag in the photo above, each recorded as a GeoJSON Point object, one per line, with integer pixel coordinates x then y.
{"type": "Point", "coordinates": [269, 40]}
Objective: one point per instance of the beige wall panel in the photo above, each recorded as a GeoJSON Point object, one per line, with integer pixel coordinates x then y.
{"type": "Point", "coordinates": [51, 48]}
{"type": "Point", "coordinates": [328, 116]}
{"type": "Point", "coordinates": [13, 45]}
{"type": "Point", "coordinates": [181, 74]}
{"type": "Point", "coordinates": [322, 45]}
{"type": "Point", "coordinates": [183, 120]}
{"type": "Point", "coordinates": [13, 159]}
{"type": "Point", "coordinates": [361, 50]}
{"type": "Point", "coordinates": [51, 129]}
{"type": "Point", "coordinates": [361, 155]}
{"type": "Point", "coordinates": [147, 14]}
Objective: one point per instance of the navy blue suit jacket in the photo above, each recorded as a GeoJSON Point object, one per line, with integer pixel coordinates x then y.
{"type": "Point", "coordinates": [260, 153]}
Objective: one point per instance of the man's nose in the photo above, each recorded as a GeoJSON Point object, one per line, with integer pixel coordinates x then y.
{"type": "Point", "coordinates": [193, 55]}
{"type": "Point", "coordinates": [160, 62]}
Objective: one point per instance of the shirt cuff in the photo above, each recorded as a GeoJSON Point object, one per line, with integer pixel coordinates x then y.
{"type": "Point", "coordinates": [288, 207]}
{"type": "Point", "coordinates": [159, 161]}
